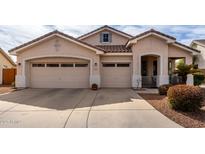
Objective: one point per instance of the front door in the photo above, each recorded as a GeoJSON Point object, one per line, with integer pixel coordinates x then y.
{"type": "Point", "coordinates": [149, 73]}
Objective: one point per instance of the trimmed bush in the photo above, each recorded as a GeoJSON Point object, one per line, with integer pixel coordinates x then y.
{"type": "Point", "coordinates": [185, 97]}
{"type": "Point", "coordinates": [164, 88]}
{"type": "Point", "coordinates": [198, 78]}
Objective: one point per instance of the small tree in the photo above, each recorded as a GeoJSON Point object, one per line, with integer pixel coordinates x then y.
{"type": "Point", "coordinates": [182, 71]}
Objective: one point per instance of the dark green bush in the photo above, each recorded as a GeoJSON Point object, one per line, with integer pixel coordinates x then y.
{"type": "Point", "coordinates": [164, 88]}
{"type": "Point", "coordinates": [185, 97]}
{"type": "Point", "coordinates": [198, 78]}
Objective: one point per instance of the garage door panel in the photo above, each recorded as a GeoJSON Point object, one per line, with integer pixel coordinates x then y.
{"type": "Point", "coordinates": [59, 77]}
{"type": "Point", "coordinates": [119, 77]}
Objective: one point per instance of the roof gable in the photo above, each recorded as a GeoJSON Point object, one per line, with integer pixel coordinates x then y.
{"type": "Point", "coordinates": [169, 39]}
{"type": "Point", "coordinates": [105, 28]}
{"type": "Point", "coordinates": [52, 34]}
{"type": "Point", "coordinates": [7, 57]}
{"type": "Point", "coordinates": [202, 41]}
{"type": "Point", "coordinates": [166, 37]}
{"type": "Point", "coordinates": [198, 42]}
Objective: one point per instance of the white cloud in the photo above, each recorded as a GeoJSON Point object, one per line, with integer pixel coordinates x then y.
{"type": "Point", "coordinates": [133, 30]}
{"type": "Point", "coordinates": [12, 36]}
{"type": "Point", "coordinates": [76, 30]}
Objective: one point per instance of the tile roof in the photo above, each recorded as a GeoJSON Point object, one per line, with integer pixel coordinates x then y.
{"type": "Point", "coordinates": [115, 48]}
{"type": "Point", "coordinates": [202, 41]}
{"type": "Point", "coordinates": [187, 47]}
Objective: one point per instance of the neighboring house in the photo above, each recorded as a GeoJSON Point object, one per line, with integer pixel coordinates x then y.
{"type": "Point", "coordinates": [105, 56]}
{"type": "Point", "coordinates": [200, 60]}
{"type": "Point", "coordinates": [5, 62]}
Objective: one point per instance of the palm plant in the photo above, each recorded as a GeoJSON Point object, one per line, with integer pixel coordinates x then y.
{"type": "Point", "coordinates": [183, 70]}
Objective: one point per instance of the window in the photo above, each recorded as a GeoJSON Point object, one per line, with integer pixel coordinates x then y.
{"type": "Point", "coordinates": [173, 63]}
{"type": "Point", "coordinates": [66, 65]}
{"type": "Point", "coordinates": [38, 65]}
{"type": "Point", "coordinates": [109, 65]}
{"type": "Point", "coordinates": [123, 65]}
{"type": "Point", "coordinates": [105, 37]}
{"type": "Point", "coordinates": [52, 65]}
{"type": "Point", "coordinates": [144, 68]}
{"type": "Point", "coordinates": [81, 65]}
{"type": "Point", "coordinates": [154, 68]}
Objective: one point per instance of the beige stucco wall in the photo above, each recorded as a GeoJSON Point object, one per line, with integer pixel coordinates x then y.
{"type": "Point", "coordinates": [65, 49]}
{"type": "Point", "coordinates": [116, 39]}
{"type": "Point", "coordinates": [153, 45]}
{"type": "Point", "coordinates": [116, 58]}
{"type": "Point", "coordinates": [150, 45]}
{"type": "Point", "coordinates": [175, 52]}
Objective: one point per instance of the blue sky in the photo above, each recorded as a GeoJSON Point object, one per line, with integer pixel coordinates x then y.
{"type": "Point", "coordinates": [12, 36]}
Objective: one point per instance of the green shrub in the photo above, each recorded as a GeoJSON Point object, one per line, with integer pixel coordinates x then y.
{"type": "Point", "coordinates": [163, 89]}
{"type": "Point", "coordinates": [185, 97]}
{"type": "Point", "coordinates": [198, 78]}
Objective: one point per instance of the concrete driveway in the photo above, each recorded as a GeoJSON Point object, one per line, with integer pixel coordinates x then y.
{"type": "Point", "coordinates": [79, 108]}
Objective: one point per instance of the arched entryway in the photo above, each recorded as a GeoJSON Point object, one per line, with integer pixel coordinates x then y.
{"type": "Point", "coordinates": [150, 70]}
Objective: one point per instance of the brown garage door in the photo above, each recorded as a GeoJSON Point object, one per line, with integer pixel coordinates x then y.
{"type": "Point", "coordinates": [9, 76]}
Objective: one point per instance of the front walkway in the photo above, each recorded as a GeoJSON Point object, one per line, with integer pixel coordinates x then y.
{"type": "Point", "coordinates": [79, 108]}
{"type": "Point", "coordinates": [147, 90]}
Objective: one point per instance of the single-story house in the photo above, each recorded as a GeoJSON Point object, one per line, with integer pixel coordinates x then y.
{"type": "Point", "coordinates": [106, 56]}
{"type": "Point", "coordinates": [200, 58]}
{"type": "Point", "coordinates": [5, 63]}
